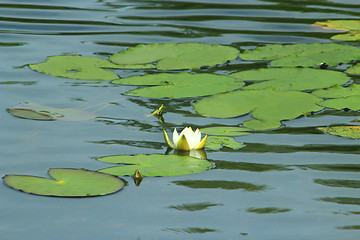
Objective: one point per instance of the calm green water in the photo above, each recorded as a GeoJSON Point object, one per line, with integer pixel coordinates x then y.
{"type": "Point", "coordinates": [292, 183]}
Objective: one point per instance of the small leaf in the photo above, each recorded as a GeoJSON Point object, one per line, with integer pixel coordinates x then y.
{"type": "Point", "coordinates": [215, 142]}
{"type": "Point", "coordinates": [225, 131]}
{"type": "Point", "coordinates": [155, 165]}
{"type": "Point", "coordinates": [180, 85]}
{"type": "Point", "coordinates": [291, 78]}
{"type": "Point", "coordinates": [176, 56]}
{"type": "Point", "coordinates": [354, 70]}
{"type": "Point", "coordinates": [343, 131]}
{"type": "Point", "coordinates": [306, 55]}
{"type": "Point", "coordinates": [338, 91]}
{"type": "Point", "coordinates": [351, 102]}
{"type": "Point", "coordinates": [40, 112]}
{"type": "Point", "coordinates": [66, 183]}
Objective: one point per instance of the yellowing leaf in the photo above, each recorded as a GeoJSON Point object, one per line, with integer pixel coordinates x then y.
{"type": "Point", "coordinates": [343, 131]}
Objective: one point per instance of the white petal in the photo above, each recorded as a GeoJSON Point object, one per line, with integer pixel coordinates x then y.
{"type": "Point", "coordinates": [176, 137]}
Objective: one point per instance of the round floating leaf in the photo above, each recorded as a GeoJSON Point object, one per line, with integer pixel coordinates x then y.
{"type": "Point", "coordinates": [353, 26]}
{"type": "Point", "coordinates": [291, 78]}
{"type": "Point", "coordinates": [78, 67]}
{"type": "Point", "coordinates": [215, 142]}
{"type": "Point", "coordinates": [39, 112]}
{"type": "Point", "coordinates": [343, 131]}
{"type": "Point", "coordinates": [155, 165]}
{"type": "Point", "coordinates": [354, 70]}
{"type": "Point", "coordinates": [176, 56]}
{"type": "Point", "coordinates": [267, 106]}
{"type": "Point", "coordinates": [338, 91]}
{"type": "Point", "coordinates": [225, 131]}
{"type": "Point", "coordinates": [180, 85]}
{"type": "Point", "coordinates": [66, 183]}
{"type": "Point", "coordinates": [306, 55]}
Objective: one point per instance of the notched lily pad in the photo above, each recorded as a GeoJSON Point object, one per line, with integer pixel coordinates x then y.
{"type": "Point", "coordinates": [176, 56]}
{"type": "Point", "coordinates": [343, 131]}
{"type": "Point", "coordinates": [291, 78]}
{"type": "Point", "coordinates": [267, 106]}
{"type": "Point", "coordinates": [215, 142]}
{"type": "Point", "coordinates": [155, 165]}
{"type": "Point", "coordinates": [352, 26]}
{"type": "Point", "coordinates": [306, 55]}
{"type": "Point", "coordinates": [181, 85]}
{"type": "Point", "coordinates": [40, 112]}
{"type": "Point", "coordinates": [341, 97]}
{"type": "Point", "coordinates": [66, 182]}
{"type": "Point", "coordinates": [84, 68]}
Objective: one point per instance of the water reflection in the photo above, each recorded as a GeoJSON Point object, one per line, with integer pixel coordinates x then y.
{"type": "Point", "coordinates": [200, 153]}
{"type": "Point", "coordinates": [252, 167]}
{"type": "Point", "coordinates": [331, 167]}
{"type": "Point", "coordinates": [195, 206]}
{"type": "Point", "coordinates": [191, 230]}
{"type": "Point", "coordinates": [268, 210]}
{"type": "Point", "coordinates": [141, 144]}
{"type": "Point", "coordinates": [338, 183]}
{"type": "Point", "coordinates": [227, 185]}
{"type": "Point", "coordinates": [342, 200]}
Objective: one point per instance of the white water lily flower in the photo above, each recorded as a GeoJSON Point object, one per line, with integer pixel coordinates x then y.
{"type": "Point", "coordinates": [187, 140]}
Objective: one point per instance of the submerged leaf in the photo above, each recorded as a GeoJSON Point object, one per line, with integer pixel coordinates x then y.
{"type": "Point", "coordinates": [352, 26]}
{"type": "Point", "coordinates": [176, 56]}
{"type": "Point", "coordinates": [155, 165]}
{"type": "Point", "coordinates": [78, 67]}
{"type": "Point", "coordinates": [267, 106]}
{"type": "Point", "coordinates": [291, 78]}
{"type": "Point", "coordinates": [67, 183]}
{"type": "Point", "coordinates": [39, 112]}
{"type": "Point", "coordinates": [215, 142]}
{"type": "Point", "coordinates": [343, 131]}
{"type": "Point", "coordinates": [181, 85]}
{"type": "Point", "coordinates": [225, 131]}
{"type": "Point", "coordinates": [306, 55]}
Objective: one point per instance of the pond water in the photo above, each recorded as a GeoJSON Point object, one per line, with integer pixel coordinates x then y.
{"type": "Point", "coordinates": [305, 184]}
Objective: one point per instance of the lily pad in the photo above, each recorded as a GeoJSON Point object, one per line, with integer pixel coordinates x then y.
{"type": "Point", "coordinates": [342, 97]}
{"type": "Point", "coordinates": [180, 85]}
{"type": "Point", "coordinates": [291, 78]}
{"type": "Point", "coordinates": [67, 182]}
{"type": "Point", "coordinates": [306, 55]}
{"type": "Point", "coordinates": [155, 165]}
{"type": "Point", "coordinates": [225, 131]}
{"type": "Point", "coordinates": [343, 131]}
{"type": "Point", "coordinates": [176, 56]}
{"type": "Point", "coordinates": [78, 67]}
{"type": "Point", "coordinates": [267, 106]}
{"type": "Point", "coordinates": [40, 112]}
{"type": "Point", "coordinates": [215, 142]}
{"type": "Point", "coordinates": [354, 70]}
{"type": "Point", "coordinates": [352, 26]}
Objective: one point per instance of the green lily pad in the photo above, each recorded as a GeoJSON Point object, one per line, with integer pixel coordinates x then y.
{"type": "Point", "coordinates": [40, 112]}
{"type": "Point", "coordinates": [354, 70]}
{"type": "Point", "coordinates": [155, 165]}
{"type": "Point", "coordinates": [342, 97]}
{"type": "Point", "coordinates": [338, 91]}
{"type": "Point", "coordinates": [225, 131]}
{"type": "Point", "coordinates": [352, 26]}
{"type": "Point", "coordinates": [180, 85]}
{"type": "Point", "coordinates": [67, 183]}
{"type": "Point", "coordinates": [306, 55]}
{"type": "Point", "coordinates": [343, 131]}
{"type": "Point", "coordinates": [78, 67]}
{"type": "Point", "coordinates": [267, 106]}
{"type": "Point", "coordinates": [176, 56]}
{"type": "Point", "coordinates": [291, 78]}
{"type": "Point", "coordinates": [215, 142]}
